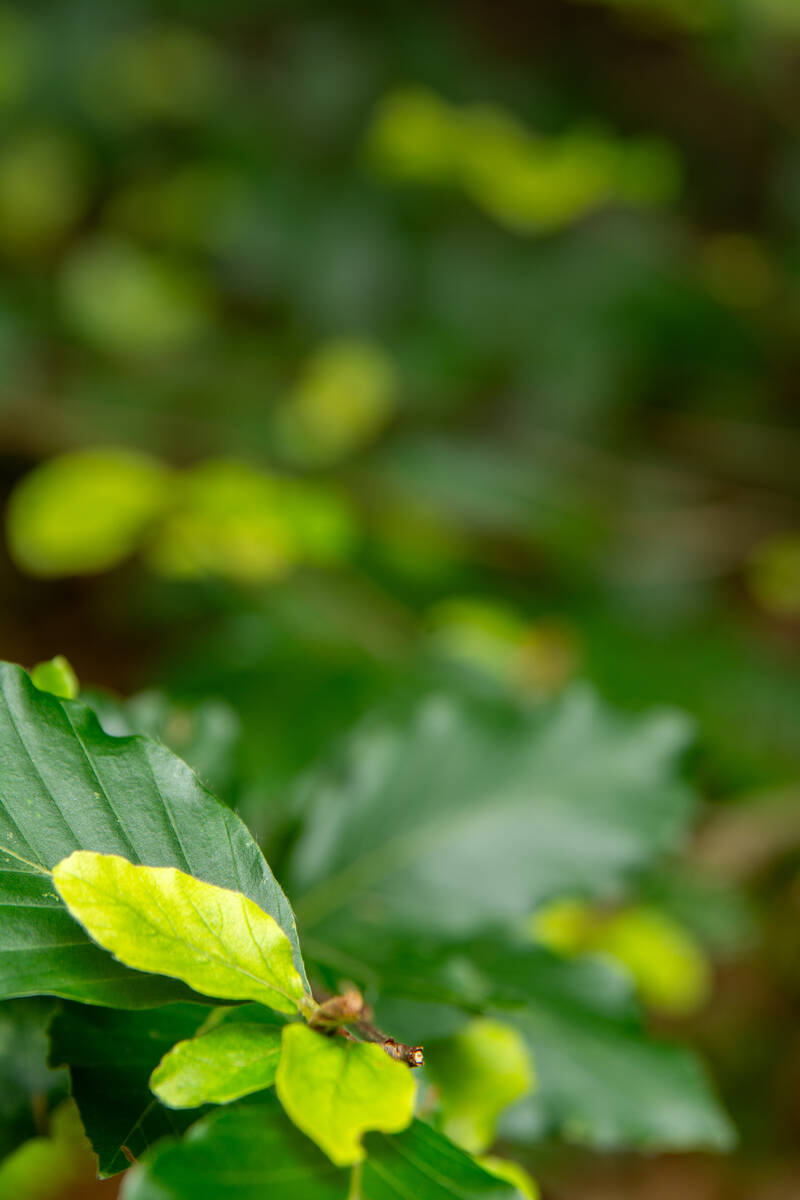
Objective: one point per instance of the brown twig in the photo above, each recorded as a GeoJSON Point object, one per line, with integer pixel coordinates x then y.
{"type": "Point", "coordinates": [336, 1012]}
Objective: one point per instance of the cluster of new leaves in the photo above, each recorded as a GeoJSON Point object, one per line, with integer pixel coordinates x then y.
{"type": "Point", "coordinates": [142, 902]}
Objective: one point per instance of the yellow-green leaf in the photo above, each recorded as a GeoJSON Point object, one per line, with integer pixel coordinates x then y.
{"type": "Point", "coordinates": [479, 1072]}
{"type": "Point", "coordinates": [85, 511]}
{"type": "Point", "coordinates": [219, 1066]}
{"type": "Point", "coordinates": [57, 677]}
{"type": "Point", "coordinates": [335, 1090]}
{"type": "Point", "coordinates": [158, 919]}
{"type": "Point", "coordinates": [511, 1172]}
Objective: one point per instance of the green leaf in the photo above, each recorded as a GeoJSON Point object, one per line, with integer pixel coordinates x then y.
{"type": "Point", "coordinates": [84, 512]}
{"type": "Point", "coordinates": [162, 920]}
{"type": "Point", "coordinates": [46, 1168]}
{"type": "Point", "coordinates": [27, 1085]}
{"type": "Point", "coordinates": [335, 1090]}
{"type": "Point", "coordinates": [478, 1072]}
{"type": "Point", "coordinates": [110, 1054]}
{"type": "Point", "coordinates": [56, 677]}
{"type": "Point", "coordinates": [504, 1168]}
{"type": "Point", "coordinates": [67, 785]}
{"type": "Point", "coordinates": [219, 1066]}
{"type": "Point", "coordinates": [602, 1079]}
{"type": "Point", "coordinates": [455, 823]}
{"type": "Point", "coordinates": [251, 1151]}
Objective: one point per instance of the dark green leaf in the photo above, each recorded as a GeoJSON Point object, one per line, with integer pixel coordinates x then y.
{"type": "Point", "coordinates": [602, 1079]}
{"type": "Point", "coordinates": [26, 1082]}
{"type": "Point", "coordinates": [252, 1151]}
{"type": "Point", "coordinates": [454, 823]}
{"type": "Point", "coordinates": [110, 1055]}
{"type": "Point", "coordinates": [67, 785]}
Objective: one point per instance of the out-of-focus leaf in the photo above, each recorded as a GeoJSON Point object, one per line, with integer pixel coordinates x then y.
{"type": "Point", "coordinates": [252, 1150]}
{"type": "Point", "coordinates": [668, 966]}
{"type": "Point", "coordinates": [774, 575]}
{"type": "Point", "coordinates": [130, 302]}
{"type": "Point", "coordinates": [224, 1064]}
{"type": "Point", "coordinates": [512, 1172]}
{"type": "Point", "coordinates": [27, 1086]}
{"type": "Point", "coordinates": [335, 1090]}
{"type": "Point", "coordinates": [110, 1055]}
{"type": "Point", "coordinates": [478, 1072]}
{"type": "Point", "coordinates": [158, 72]}
{"type": "Point", "coordinates": [162, 920]}
{"type": "Point", "coordinates": [42, 1168]}
{"type": "Point", "coordinates": [69, 786]}
{"type": "Point", "coordinates": [57, 677]}
{"type": "Point", "coordinates": [44, 190]}
{"type": "Point", "coordinates": [343, 398]}
{"type": "Point", "coordinates": [528, 182]}
{"type": "Point", "coordinates": [452, 822]}
{"type": "Point", "coordinates": [85, 511]}
{"type": "Point", "coordinates": [602, 1080]}
{"type": "Point", "coordinates": [231, 519]}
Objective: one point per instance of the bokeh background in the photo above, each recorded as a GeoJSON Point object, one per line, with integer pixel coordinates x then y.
{"type": "Point", "coordinates": [343, 346]}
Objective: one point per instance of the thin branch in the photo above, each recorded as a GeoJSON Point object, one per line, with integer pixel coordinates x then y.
{"type": "Point", "coordinates": [349, 1009]}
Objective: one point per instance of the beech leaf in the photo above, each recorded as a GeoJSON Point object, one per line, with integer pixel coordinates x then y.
{"type": "Point", "coordinates": [218, 1066]}
{"type": "Point", "coordinates": [335, 1090]}
{"type": "Point", "coordinates": [159, 919]}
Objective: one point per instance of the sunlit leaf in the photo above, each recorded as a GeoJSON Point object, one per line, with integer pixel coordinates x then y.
{"type": "Point", "coordinates": [478, 1072]}
{"type": "Point", "coordinates": [85, 511]}
{"type": "Point", "coordinates": [335, 1090]}
{"type": "Point", "coordinates": [57, 677]}
{"type": "Point", "coordinates": [341, 401]}
{"type": "Point", "coordinates": [219, 1066]}
{"type": "Point", "coordinates": [162, 920]}
{"type": "Point", "coordinates": [67, 785]}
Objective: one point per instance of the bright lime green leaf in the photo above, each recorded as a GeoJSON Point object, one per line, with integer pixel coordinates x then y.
{"type": "Point", "coordinates": [219, 1066]}
{"type": "Point", "coordinates": [512, 1172]}
{"type": "Point", "coordinates": [57, 677]}
{"type": "Point", "coordinates": [414, 135]}
{"type": "Point", "coordinates": [335, 1090]}
{"type": "Point", "coordinates": [341, 401]}
{"type": "Point", "coordinates": [669, 967]}
{"type": "Point", "coordinates": [158, 919]}
{"type": "Point", "coordinates": [228, 519]}
{"type": "Point", "coordinates": [667, 964]}
{"type": "Point", "coordinates": [84, 512]}
{"type": "Point", "coordinates": [131, 302]}
{"type": "Point", "coordinates": [564, 926]}
{"type": "Point", "coordinates": [479, 1072]}
{"type": "Point", "coordinates": [528, 182]}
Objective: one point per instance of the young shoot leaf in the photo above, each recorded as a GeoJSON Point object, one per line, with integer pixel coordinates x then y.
{"type": "Point", "coordinates": [479, 1072]}
{"type": "Point", "coordinates": [335, 1090]}
{"type": "Point", "coordinates": [158, 919]}
{"type": "Point", "coordinates": [219, 1066]}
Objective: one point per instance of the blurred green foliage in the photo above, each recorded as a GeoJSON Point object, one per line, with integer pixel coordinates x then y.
{"type": "Point", "coordinates": [349, 353]}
